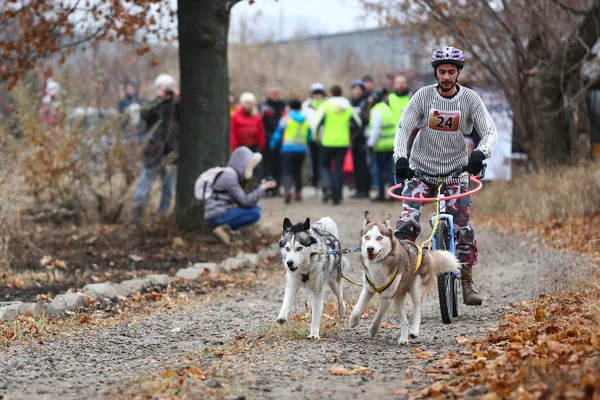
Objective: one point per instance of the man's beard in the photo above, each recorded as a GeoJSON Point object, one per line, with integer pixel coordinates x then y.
{"type": "Point", "coordinates": [451, 86]}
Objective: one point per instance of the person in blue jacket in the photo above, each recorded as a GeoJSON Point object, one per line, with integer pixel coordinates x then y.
{"type": "Point", "coordinates": [294, 134]}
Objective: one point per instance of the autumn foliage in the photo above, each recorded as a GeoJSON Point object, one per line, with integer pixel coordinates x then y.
{"type": "Point", "coordinates": [548, 348]}
{"type": "Point", "coordinates": [36, 30]}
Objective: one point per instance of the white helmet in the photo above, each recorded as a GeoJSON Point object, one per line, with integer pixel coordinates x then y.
{"type": "Point", "coordinates": [318, 88]}
{"type": "Point", "coordinates": [165, 81]}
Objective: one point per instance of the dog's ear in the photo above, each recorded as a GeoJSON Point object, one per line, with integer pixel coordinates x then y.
{"type": "Point", "coordinates": [287, 225]}
{"type": "Point", "coordinates": [306, 225]}
{"type": "Point", "coordinates": [387, 220]}
{"type": "Point", "coordinates": [367, 218]}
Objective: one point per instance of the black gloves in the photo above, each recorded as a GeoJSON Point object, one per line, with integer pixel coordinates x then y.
{"type": "Point", "coordinates": [475, 164]}
{"type": "Point", "coordinates": [403, 171]}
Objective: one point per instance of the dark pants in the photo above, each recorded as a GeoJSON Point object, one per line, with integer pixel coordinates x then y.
{"type": "Point", "coordinates": [272, 164]}
{"type": "Point", "coordinates": [237, 217]}
{"type": "Point", "coordinates": [385, 170]}
{"type": "Point", "coordinates": [362, 175]}
{"type": "Point", "coordinates": [332, 182]}
{"type": "Point", "coordinates": [315, 150]}
{"type": "Point", "coordinates": [291, 164]}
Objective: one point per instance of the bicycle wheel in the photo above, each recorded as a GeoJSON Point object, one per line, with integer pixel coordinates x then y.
{"type": "Point", "coordinates": [445, 280]}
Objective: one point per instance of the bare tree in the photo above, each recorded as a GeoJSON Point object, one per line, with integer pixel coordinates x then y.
{"type": "Point", "coordinates": [533, 48]}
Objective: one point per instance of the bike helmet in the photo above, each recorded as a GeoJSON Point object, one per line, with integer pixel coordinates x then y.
{"type": "Point", "coordinates": [448, 55]}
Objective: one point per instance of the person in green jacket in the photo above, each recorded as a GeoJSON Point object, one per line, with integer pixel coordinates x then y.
{"type": "Point", "coordinates": [382, 130]}
{"type": "Point", "coordinates": [398, 100]}
{"type": "Point", "coordinates": [334, 121]}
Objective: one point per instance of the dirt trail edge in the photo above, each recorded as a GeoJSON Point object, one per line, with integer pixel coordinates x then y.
{"type": "Point", "coordinates": [510, 270]}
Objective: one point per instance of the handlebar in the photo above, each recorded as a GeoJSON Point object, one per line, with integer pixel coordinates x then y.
{"type": "Point", "coordinates": [457, 171]}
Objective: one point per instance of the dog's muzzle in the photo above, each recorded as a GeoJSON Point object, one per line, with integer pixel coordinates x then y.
{"type": "Point", "coordinates": [290, 265]}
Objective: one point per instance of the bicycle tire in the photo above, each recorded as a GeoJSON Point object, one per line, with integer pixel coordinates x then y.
{"type": "Point", "coordinates": [445, 280]}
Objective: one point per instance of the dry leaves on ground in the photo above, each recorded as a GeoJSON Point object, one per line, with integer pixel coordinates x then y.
{"type": "Point", "coordinates": [549, 347]}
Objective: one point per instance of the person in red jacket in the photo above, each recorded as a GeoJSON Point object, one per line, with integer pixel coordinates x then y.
{"type": "Point", "coordinates": [246, 125]}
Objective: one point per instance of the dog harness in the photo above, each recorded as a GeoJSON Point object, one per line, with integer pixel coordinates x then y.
{"type": "Point", "coordinates": [387, 285]}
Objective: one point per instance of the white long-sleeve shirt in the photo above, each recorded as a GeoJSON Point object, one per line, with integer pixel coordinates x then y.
{"type": "Point", "coordinates": [374, 131]}
{"type": "Point", "coordinates": [439, 146]}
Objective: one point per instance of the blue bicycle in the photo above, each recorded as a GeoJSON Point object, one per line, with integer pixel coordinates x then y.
{"type": "Point", "coordinates": [443, 235]}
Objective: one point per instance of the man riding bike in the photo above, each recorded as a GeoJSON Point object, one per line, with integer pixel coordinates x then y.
{"type": "Point", "coordinates": [442, 114]}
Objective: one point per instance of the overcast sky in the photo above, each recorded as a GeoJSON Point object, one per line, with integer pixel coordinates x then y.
{"type": "Point", "coordinates": [286, 17]}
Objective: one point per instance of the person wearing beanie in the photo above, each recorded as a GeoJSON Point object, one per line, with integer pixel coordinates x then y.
{"type": "Point", "coordinates": [293, 134]}
{"type": "Point", "coordinates": [246, 128]}
{"type": "Point", "coordinates": [318, 94]}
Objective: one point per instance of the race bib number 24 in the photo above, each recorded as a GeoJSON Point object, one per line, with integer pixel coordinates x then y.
{"type": "Point", "coordinates": [444, 120]}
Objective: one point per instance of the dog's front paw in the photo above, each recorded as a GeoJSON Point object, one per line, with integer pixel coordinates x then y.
{"type": "Point", "coordinates": [403, 342]}
{"type": "Point", "coordinates": [314, 337]}
{"type": "Point", "coordinates": [354, 321]}
{"type": "Point", "coordinates": [373, 331]}
{"type": "Point", "coordinates": [281, 319]}
{"type": "Point", "coordinates": [413, 335]}
{"type": "Point", "coordinates": [341, 311]}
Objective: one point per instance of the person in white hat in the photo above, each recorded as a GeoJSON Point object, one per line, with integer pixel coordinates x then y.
{"type": "Point", "coordinates": [161, 147]}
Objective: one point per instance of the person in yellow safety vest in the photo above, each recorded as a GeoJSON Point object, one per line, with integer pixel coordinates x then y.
{"type": "Point", "coordinates": [382, 130]}
{"type": "Point", "coordinates": [294, 134]}
{"type": "Point", "coordinates": [398, 100]}
{"type": "Point", "coordinates": [338, 120]}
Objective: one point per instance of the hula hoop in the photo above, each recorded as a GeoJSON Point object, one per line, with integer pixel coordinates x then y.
{"type": "Point", "coordinates": [474, 179]}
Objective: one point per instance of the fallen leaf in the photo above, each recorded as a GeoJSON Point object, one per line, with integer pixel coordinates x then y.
{"type": "Point", "coordinates": [338, 370]}
{"type": "Point", "coordinates": [463, 340]}
{"type": "Point", "coordinates": [426, 354]}
{"type": "Point", "coordinates": [177, 329]}
{"type": "Point", "coordinates": [135, 258]}
{"type": "Point", "coordinates": [178, 242]}
{"type": "Point", "coordinates": [135, 295]}
{"type": "Point", "coordinates": [45, 260]}
{"type": "Point", "coordinates": [387, 326]}
{"type": "Point", "coordinates": [167, 374]}
{"type": "Point", "coordinates": [84, 320]}
{"type": "Point", "coordinates": [539, 314]}
{"type": "Point", "coordinates": [400, 391]}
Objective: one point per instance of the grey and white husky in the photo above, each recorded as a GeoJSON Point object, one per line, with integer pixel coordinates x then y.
{"type": "Point", "coordinates": [306, 253]}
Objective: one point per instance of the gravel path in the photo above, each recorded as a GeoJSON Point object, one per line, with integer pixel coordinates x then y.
{"type": "Point", "coordinates": [510, 270]}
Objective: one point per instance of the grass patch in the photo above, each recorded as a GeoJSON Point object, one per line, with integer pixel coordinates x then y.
{"type": "Point", "coordinates": [552, 193]}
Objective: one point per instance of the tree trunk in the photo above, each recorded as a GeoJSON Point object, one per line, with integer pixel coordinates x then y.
{"type": "Point", "coordinates": [204, 137]}
{"type": "Point", "coordinates": [577, 113]}
{"type": "Point", "coordinates": [550, 133]}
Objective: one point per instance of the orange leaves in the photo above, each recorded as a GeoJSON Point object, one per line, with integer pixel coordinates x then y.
{"type": "Point", "coordinates": [340, 370]}
{"type": "Point", "coordinates": [38, 29]}
{"type": "Point", "coordinates": [553, 340]}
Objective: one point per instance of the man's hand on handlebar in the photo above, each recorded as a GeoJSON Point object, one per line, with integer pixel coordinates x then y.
{"type": "Point", "coordinates": [475, 164]}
